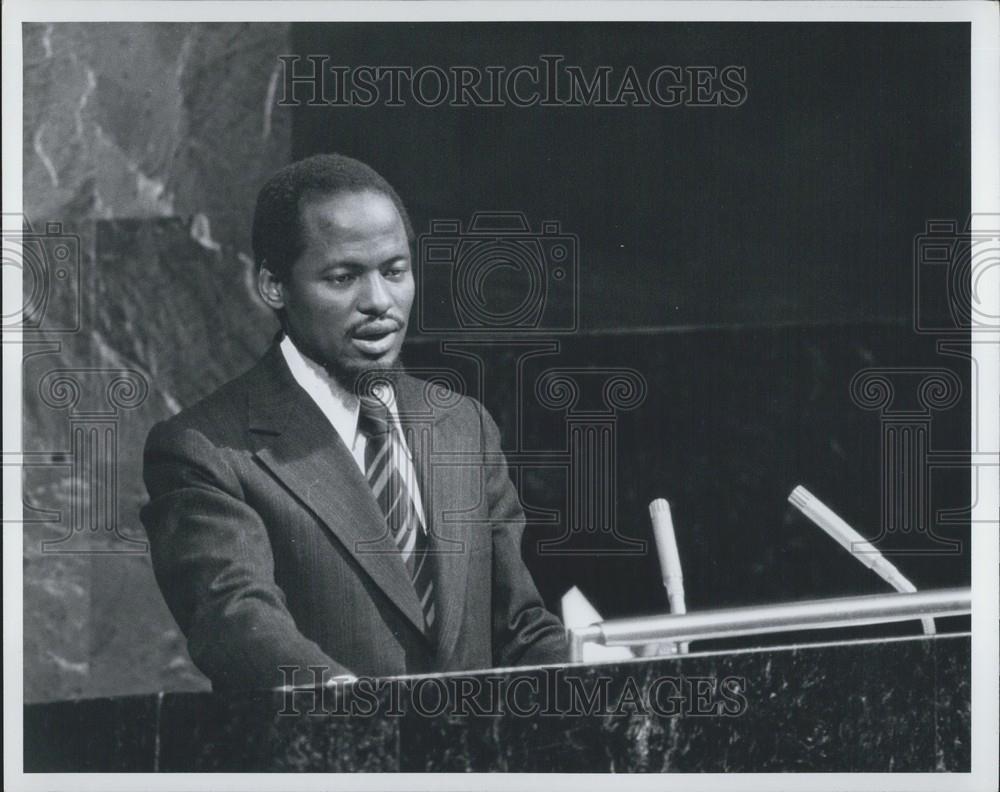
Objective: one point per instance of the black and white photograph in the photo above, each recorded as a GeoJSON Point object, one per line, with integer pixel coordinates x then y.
{"type": "Point", "coordinates": [498, 395]}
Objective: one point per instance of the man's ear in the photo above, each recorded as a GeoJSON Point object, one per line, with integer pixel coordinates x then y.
{"type": "Point", "coordinates": [270, 289]}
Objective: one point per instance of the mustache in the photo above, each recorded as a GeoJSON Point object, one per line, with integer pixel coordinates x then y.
{"type": "Point", "coordinates": [377, 327]}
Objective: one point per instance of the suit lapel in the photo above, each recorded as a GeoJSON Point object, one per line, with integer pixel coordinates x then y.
{"type": "Point", "coordinates": [448, 542]}
{"type": "Point", "coordinates": [300, 447]}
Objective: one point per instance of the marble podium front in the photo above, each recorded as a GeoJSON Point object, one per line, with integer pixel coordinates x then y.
{"type": "Point", "coordinates": [876, 706]}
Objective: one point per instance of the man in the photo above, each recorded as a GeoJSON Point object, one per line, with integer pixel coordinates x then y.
{"type": "Point", "coordinates": [298, 523]}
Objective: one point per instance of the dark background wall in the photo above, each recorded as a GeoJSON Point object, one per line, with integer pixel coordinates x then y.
{"type": "Point", "coordinates": [744, 262]}
{"type": "Point", "coordinates": [798, 206]}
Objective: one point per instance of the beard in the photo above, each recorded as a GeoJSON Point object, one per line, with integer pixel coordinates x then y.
{"type": "Point", "coordinates": [352, 373]}
{"type": "Point", "coordinates": [361, 376]}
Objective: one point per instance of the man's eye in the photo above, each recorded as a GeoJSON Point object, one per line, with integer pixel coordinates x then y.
{"type": "Point", "coordinates": [340, 277]}
{"type": "Point", "coordinates": [396, 272]}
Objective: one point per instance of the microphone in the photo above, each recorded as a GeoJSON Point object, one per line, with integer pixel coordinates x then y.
{"type": "Point", "coordinates": [855, 544]}
{"type": "Point", "coordinates": [670, 559]}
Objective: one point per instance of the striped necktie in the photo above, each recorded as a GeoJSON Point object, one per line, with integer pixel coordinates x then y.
{"type": "Point", "coordinates": [383, 454]}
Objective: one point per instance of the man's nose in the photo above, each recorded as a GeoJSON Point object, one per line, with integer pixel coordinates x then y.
{"type": "Point", "coordinates": [375, 297]}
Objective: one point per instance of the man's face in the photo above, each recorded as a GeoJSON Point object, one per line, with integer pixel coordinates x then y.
{"type": "Point", "coordinates": [347, 299]}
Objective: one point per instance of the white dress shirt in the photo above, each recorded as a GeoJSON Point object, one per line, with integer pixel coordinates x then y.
{"type": "Point", "coordinates": [341, 408]}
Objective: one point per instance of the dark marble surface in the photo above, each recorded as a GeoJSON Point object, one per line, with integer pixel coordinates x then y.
{"type": "Point", "coordinates": [897, 705]}
{"type": "Point", "coordinates": [101, 735]}
{"type": "Point", "coordinates": [270, 732]}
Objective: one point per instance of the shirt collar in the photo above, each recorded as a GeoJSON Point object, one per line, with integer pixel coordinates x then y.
{"type": "Point", "coordinates": [340, 405]}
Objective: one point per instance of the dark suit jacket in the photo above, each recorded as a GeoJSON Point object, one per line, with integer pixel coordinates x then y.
{"type": "Point", "coordinates": [271, 550]}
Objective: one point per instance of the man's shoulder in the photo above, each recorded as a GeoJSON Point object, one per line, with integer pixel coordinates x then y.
{"type": "Point", "coordinates": [441, 396]}
{"type": "Point", "coordinates": [220, 414]}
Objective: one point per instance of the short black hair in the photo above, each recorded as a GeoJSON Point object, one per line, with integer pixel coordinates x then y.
{"type": "Point", "coordinates": [277, 225]}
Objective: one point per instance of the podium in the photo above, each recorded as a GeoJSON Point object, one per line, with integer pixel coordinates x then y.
{"type": "Point", "coordinates": [901, 704]}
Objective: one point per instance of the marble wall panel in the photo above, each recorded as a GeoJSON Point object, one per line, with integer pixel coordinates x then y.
{"type": "Point", "coordinates": [144, 146]}
{"type": "Point", "coordinates": [150, 119]}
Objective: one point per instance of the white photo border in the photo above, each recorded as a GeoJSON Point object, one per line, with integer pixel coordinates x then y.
{"type": "Point", "coordinates": [985, 542]}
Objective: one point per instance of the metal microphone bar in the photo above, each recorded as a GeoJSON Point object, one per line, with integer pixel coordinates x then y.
{"type": "Point", "coordinates": [783, 617]}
